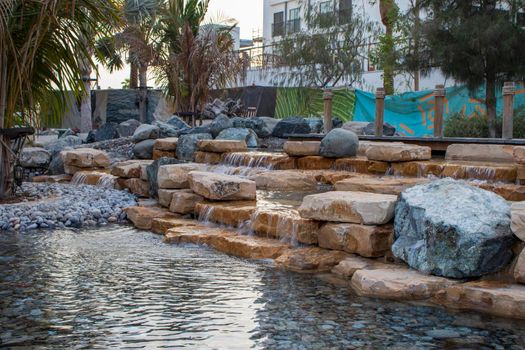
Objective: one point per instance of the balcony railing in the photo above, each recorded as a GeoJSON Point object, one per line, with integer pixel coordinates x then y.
{"type": "Point", "coordinates": [293, 26]}
{"type": "Point", "coordinates": [278, 29]}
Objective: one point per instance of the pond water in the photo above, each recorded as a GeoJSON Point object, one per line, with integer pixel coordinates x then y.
{"type": "Point", "coordinates": [120, 288]}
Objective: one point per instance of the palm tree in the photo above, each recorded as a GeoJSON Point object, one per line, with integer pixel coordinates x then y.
{"type": "Point", "coordinates": [137, 41]}
{"type": "Point", "coordinates": [42, 52]}
{"type": "Point", "coordinates": [194, 57]}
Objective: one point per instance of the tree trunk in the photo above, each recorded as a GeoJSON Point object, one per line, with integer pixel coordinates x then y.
{"type": "Point", "coordinates": [388, 69]}
{"type": "Point", "coordinates": [417, 26]}
{"type": "Point", "coordinates": [490, 103]}
{"type": "Point", "coordinates": [143, 93]}
{"type": "Point", "coordinates": [133, 76]}
{"type": "Point", "coordinates": [86, 122]}
{"type": "Point", "coordinates": [5, 165]}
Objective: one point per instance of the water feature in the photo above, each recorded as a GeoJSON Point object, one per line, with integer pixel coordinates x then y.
{"type": "Point", "coordinates": [95, 178]}
{"type": "Point", "coordinates": [121, 288]}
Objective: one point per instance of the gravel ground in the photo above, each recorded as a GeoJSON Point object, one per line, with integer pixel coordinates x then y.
{"type": "Point", "coordinates": [64, 205]}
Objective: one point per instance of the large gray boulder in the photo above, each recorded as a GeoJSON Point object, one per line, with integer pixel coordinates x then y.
{"type": "Point", "coordinates": [144, 149]}
{"type": "Point", "coordinates": [166, 130]}
{"type": "Point", "coordinates": [145, 132]}
{"type": "Point", "coordinates": [448, 228]}
{"type": "Point", "coordinates": [220, 123]}
{"type": "Point", "coordinates": [240, 134]}
{"type": "Point", "coordinates": [339, 143]}
{"type": "Point", "coordinates": [388, 130]}
{"type": "Point", "coordinates": [187, 145]}
{"type": "Point", "coordinates": [127, 128]}
{"type": "Point", "coordinates": [291, 126]}
{"type": "Point", "coordinates": [107, 131]}
{"type": "Point", "coordinates": [35, 157]}
{"type": "Point", "coordinates": [316, 125]}
{"type": "Point", "coordinates": [59, 145]}
{"type": "Point", "coordinates": [258, 124]}
{"type": "Point", "coordinates": [178, 123]}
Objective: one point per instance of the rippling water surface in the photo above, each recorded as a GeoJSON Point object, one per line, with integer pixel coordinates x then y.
{"type": "Point", "coordinates": [121, 288]}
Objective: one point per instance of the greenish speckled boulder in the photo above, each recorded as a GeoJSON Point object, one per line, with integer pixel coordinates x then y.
{"type": "Point", "coordinates": [451, 229]}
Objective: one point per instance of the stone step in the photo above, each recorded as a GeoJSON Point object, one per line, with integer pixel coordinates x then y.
{"type": "Point", "coordinates": [397, 152]}
{"type": "Point", "coordinates": [89, 177]}
{"type": "Point", "coordinates": [367, 241]}
{"type": "Point", "coordinates": [315, 163]}
{"type": "Point", "coordinates": [207, 157]}
{"type": "Point", "coordinates": [165, 196]}
{"type": "Point", "coordinates": [398, 283]}
{"type": "Point", "coordinates": [157, 154]}
{"type": "Point", "coordinates": [222, 146]}
{"type": "Point", "coordinates": [234, 214]}
{"type": "Point", "coordinates": [494, 298]}
{"type": "Point", "coordinates": [361, 165]}
{"type": "Point", "coordinates": [129, 169]}
{"type": "Point", "coordinates": [85, 158]}
{"type": "Point", "coordinates": [285, 180]}
{"type": "Point", "coordinates": [310, 259]}
{"type": "Point", "coordinates": [274, 161]}
{"type": "Point", "coordinates": [135, 186]}
{"type": "Point", "coordinates": [161, 225]}
{"type": "Point", "coordinates": [222, 187]}
{"type": "Point", "coordinates": [302, 148]}
{"type": "Point", "coordinates": [142, 217]}
{"type": "Point", "coordinates": [166, 144]}
{"type": "Point", "coordinates": [228, 242]}
{"type": "Point", "coordinates": [184, 201]}
{"type": "Point", "coordinates": [52, 178]}
{"type": "Point", "coordinates": [286, 225]}
{"type": "Point", "coordinates": [175, 176]}
{"type": "Point", "coordinates": [384, 185]}
{"type": "Point", "coordinates": [457, 170]}
{"type": "Point", "coordinates": [480, 153]}
{"type": "Point", "coordinates": [347, 267]}
{"type": "Point", "coordinates": [350, 207]}
{"type": "Point", "coordinates": [510, 192]}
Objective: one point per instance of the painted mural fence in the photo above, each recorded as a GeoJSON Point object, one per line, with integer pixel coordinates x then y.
{"type": "Point", "coordinates": [411, 113]}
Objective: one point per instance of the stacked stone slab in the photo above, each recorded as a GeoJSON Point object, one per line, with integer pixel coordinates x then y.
{"type": "Point", "coordinates": [84, 159]}
{"type": "Point", "coordinates": [210, 151]}
{"type": "Point", "coordinates": [129, 176]}
{"type": "Point", "coordinates": [166, 147]}
{"type": "Point", "coordinates": [354, 222]}
{"type": "Point", "coordinates": [518, 228]}
{"type": "Point", "coordinates": [174, 187]}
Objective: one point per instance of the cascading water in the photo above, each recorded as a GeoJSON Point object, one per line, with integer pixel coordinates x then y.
{"type": "Point", "coordinates": [94, 178]}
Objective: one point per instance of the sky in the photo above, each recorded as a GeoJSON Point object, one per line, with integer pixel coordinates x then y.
{"type": "Point", "coordinates": [248, 13]}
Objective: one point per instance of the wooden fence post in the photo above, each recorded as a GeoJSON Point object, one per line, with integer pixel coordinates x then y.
{"type": "Point", "coordinates": [380, 111]}
{"type": "Point", "coordinates": [328, 96]}
{"type": "Point", "coordinates": [509, 90]}
{"type": "Point", "coordinates": [439, 104]}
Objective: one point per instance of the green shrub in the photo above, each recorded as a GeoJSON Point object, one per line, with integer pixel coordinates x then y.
{"type": "Point", "coordinates": [460, 125]}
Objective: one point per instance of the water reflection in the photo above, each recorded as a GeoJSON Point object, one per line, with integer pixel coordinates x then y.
{"type": "Point", "coordinates": [121, 288]}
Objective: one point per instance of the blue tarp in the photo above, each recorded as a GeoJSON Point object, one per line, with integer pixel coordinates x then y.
{"type": "Point", "coordinates": [412, 113]}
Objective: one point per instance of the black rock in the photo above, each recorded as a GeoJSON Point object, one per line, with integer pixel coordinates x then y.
{"type": "Point", "coordinates": [187, 145]}
{"type": "Point", "coordinates": [291, 126]}
{"type": "Point", "coordinates": [339, 143]}
{"type": "Point", "coordinates": [258, 125]}
{"type": "Point", "coordinates": [144, 149]}
{"type": "Point", "coordinates": [178, 123]}
{"type": "Point", "coordinates": [56, 166]}
{"type": "Point", "coordinates": [388, 130]}
{"type": "Point", "coordinates": [166, 130]}
{"type": "Point", "coordinates": [152, 171]}
{"type": "Point", "coordinates": [220, 123]}
{"type": "Point", "coordinates": [127, 128]}
{"type": "Point", "coordinates": [108, 131]}
{"type": "Point", "coordinates": [240, 134]}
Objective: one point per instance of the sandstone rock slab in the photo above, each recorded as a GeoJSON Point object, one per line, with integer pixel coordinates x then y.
{"type": "Point", "coordinates": [349, 266]}
{"type": "Point", "coordinates": [85, 158]}
{"type": "Point", "coordinates": [310, 259]}
{"type": "Point", "coordinates": [222, 146]}
{"type": "Point", "coordinates": [361, 165]}
{"type": "Point", "coordinates": [285, 180]}
{"type": "Point", "coordinates": [285, 225]}
{"type": "Point", "coordinates": [351, 207]}
{"type": "Point", "coordinates": [398, 153]}
{"type": "Point", "coordinates": [519, 154]}
{"type": "Point", "coordinates": [161, 226]}
{"type": "Point", "coordinates": [519, 269]}
{"type": "Point", "coordinates": [302, 148]}
{"type": "Point", "coordinates": [518, 219]}
{"type": "Point", "coordinates": [208, 157]}
{"type": "Point", "coordinates": [480, 153]}
{"type": "Point", "coordinates": [175, 176]}
{"type": "Point", "coordinates": [165, 197]}
{"type": "Point", "coordinates": [137, 186]}
{"type": "Point", "coordinates": [130, 169]}
{"type": "Point", "coordinates": [167, 144]}
{"type": "Point", "coordinates": [314, 163]}
{"type": "Point", "coordinates": [221, 187]}
{"type": "Point", "coordinates": [142, 217]}
{"type": "Point", "coordinates": [367, 241]}
{"type": "Point", "coordinates": [184, 201]}
{"type": "Point", "coordinates": [233, 214]}
{"type": "Point", "coordinates": [399, 284]}
{"type": "Point", "coordinates": [385, 185]}
{"type": "Point", "coordinates": [494, 298]}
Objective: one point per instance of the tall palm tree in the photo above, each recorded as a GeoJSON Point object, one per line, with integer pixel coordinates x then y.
{"type": "Point", "coordinates": [194, 57]}
{"type": "Point", "coordinates": [42, 50]}
{"type": "Point", "coordinates": [136, 41]}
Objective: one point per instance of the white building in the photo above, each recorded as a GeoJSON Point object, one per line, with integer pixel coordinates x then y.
{"type": "Point", "coordinates": [286, 17]}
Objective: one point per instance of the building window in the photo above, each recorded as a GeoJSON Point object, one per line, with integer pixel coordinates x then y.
{"type": "Point", "coordinates": [278, 24]}
{"type": "Point", "coordinates": [294, 21]}
{"type": "Point", "coordinates": [345, 11]}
